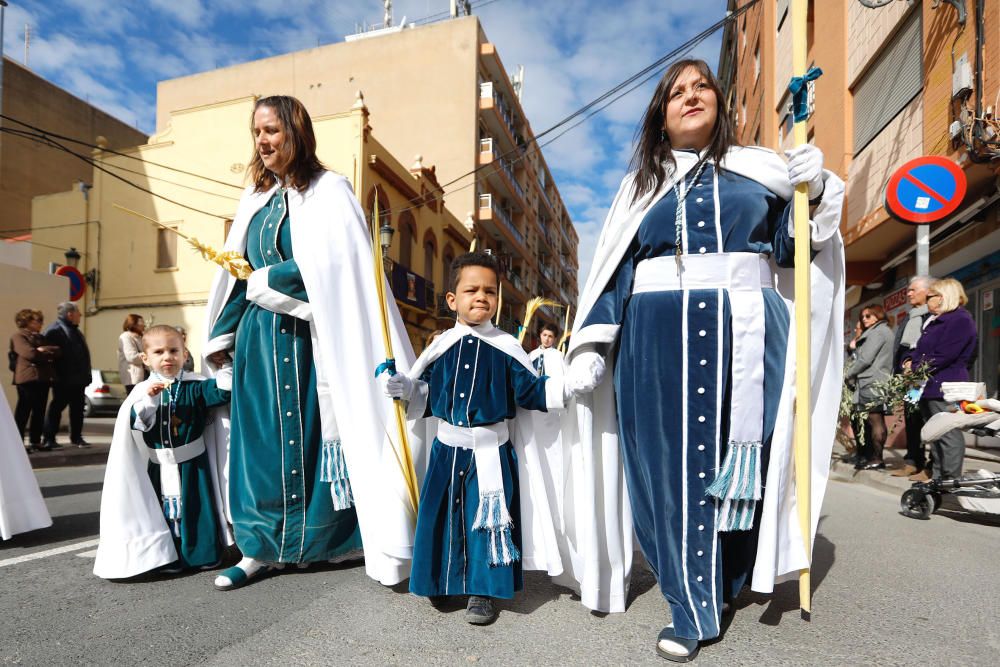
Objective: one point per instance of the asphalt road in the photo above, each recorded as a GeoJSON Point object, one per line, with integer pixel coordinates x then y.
{"type": "Point", "coordinates": [888, 590]}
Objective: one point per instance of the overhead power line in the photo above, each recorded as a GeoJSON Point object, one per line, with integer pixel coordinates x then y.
{"type": "Point", "coordinates": [62, 137]}
{"type": "Point", "coordinates": [93, 163]}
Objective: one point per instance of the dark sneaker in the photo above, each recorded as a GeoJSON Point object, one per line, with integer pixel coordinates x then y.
{"type": "Point", "coordinates": [49, 445]}
{"type": "Point", "coordinates": [480, 611]}
{"type": "Point", "coordinates": [82, 444]}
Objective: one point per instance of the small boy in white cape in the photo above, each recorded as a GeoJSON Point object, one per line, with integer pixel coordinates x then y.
{"type": "Point", "coordinates": [483, 475]}
{"type": "Point", "coordinates": [161, 505]}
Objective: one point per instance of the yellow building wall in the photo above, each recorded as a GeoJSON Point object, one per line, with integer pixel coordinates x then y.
{"type": "Point", "coordinates": [27, 289]}
{"type": "Point", "coordinates": [212, 141]}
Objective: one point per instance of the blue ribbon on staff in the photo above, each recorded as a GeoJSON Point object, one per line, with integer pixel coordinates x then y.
{"type": "Point", "coordinates": [800, 96]}
{"type": "Point", "coordinates": [389, 365]}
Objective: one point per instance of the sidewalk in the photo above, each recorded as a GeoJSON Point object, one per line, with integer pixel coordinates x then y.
{"type": "Point", "coordinates": [96, 430]}
{"type": "Point", "coordinates": [975, 459]}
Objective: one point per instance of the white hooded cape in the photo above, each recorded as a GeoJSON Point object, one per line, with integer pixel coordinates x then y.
{"type": "Point", "coordinates": [539, 548]}
{"type": "Point", "coordinates": [332, 247]}
{"type": "Point", "coordinates": [598, 519]}
{"type": "Point", "coordinates": [21, 505]}
{"type": "Point", "coordinates": [135, 537]}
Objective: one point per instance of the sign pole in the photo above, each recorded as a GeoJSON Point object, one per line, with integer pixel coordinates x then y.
{"type": "Point", "coordinates": [923, 250]}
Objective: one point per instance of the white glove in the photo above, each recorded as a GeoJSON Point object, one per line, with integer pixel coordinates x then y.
{"type": "Point", "coordinates": [399, 386]}
{"type": "Point", "coordinates": [224, 378]}
{"type": "Point", "coordinates": [585, 372]}
{"type": "Point", "coordinates": [805, 165]}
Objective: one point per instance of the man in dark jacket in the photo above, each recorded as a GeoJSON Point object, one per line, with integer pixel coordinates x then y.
{"type": "Point", "coordinates": [907, 335]}
{"type": "Point", "coordinates": [72, 375]}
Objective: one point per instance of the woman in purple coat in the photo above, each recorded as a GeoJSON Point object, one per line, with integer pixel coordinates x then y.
{"type": "Point", "coordinates": [948, 345]}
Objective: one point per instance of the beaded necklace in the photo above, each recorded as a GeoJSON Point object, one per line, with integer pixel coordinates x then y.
{"type": "Point", "coordinates": [172, 390]}
{"type": "Point", "coordinates": [681, 195]}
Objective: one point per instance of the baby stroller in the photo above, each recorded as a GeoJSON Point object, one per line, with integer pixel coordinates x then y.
{"type": "Point", "coordinates": [977, 492]}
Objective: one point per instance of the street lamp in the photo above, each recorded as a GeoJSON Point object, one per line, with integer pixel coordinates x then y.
{"type": "Point", "coordinates": [73, 259]}
{"type": "Point", "coordinates": [72, 256]}
{"type": "Point", "coordinates": [385, 232]}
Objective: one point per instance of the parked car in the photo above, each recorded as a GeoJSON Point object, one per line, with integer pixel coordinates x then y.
{"type": "Point", "coordinates": [105, 393]}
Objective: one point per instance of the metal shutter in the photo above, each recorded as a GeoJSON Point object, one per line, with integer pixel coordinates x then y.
{"type": "Point", "coordinates": [890, 83]}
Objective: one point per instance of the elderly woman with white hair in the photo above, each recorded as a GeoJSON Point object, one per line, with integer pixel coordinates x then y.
{"type": "Point", "coordinates": [948, 346]}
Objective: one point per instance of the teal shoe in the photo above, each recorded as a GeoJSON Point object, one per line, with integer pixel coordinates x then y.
{"type": "Point", "coordinates": [237, 577]}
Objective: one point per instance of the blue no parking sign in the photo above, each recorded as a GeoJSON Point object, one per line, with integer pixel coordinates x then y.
{"type": "Point", "coordinates": [924, 190]}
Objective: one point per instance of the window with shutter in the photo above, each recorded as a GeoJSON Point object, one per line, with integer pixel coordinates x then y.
{"type": "Point", "coordinates": [890, 83]}
{"type": "Point", "coordinates": [166, 249]}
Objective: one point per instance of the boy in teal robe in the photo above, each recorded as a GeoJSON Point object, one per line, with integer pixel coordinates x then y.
{"type": "Point", "coordinates": [171, 414]}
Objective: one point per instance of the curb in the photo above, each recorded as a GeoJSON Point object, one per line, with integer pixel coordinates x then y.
{"type": "Point", "coordinates": [876, 479]}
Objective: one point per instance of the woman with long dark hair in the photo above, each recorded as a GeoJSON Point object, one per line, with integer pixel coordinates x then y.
{"type": "Point", "coordinates": [308, 424]}
{"type": "Point", "coordinates": [687, 302]}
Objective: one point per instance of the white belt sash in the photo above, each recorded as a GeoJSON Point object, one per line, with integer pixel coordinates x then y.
{"type": "Point", "coordinates": [492, 515]}
{"type": "Point", "coordinates": [167, 459]}
{"type": "Point", "coordinates": [743, 276]}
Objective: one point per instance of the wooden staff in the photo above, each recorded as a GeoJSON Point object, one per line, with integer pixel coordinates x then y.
{"type": "Point", "coordinates": [406, 463]}
{"type": "Point", "coordinates": [803, 313]}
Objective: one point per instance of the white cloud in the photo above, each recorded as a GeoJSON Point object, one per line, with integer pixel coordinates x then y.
{"type": "Point", "coordinates": [191, 13]}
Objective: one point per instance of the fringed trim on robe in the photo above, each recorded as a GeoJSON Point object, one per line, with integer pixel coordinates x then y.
{"type": "Point", "coordinates": [738, 486]}
{"type": "Point", "coordinates": [492, 516]}
{"type": "Point", "coordinates": [333, 469]}
{"type": "Point", "coordinates": [170, 495]}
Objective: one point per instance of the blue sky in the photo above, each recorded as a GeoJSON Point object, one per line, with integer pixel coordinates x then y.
{"type": "Point", "coordinates": [112, 53]}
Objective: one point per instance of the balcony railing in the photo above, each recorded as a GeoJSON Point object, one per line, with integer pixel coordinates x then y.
{"type": "Point", "coordinates": [508, 169]}
{"type": "Point", "coordinates": [488, 91]}
{"type": "Point", "coordinates": [488, 145]}
{"type": "Point", "coordinates": [486, 201]}
{"type": "Point", "coordinates": [562, 230]}
{"type": "Point", "coordinates": [409, 287]}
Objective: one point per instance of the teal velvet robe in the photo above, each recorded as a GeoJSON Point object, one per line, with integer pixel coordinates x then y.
{"type": "Point", "coordinates": [180, 419]}
{"type": "Point", "coordinates": [281, 508]}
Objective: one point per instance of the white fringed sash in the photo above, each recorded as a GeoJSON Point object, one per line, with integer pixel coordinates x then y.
{"type": "Point", "coordinates": [743, 275]}
{"type": "Point", "coordinates": [492, 514]}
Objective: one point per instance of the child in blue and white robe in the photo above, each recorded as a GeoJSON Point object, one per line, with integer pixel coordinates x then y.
{"type": "Point", "coordinates": [469, 537]}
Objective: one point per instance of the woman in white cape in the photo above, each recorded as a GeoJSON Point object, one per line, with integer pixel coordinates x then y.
{"type": "Point", "coordinates": [312, 475]}
{"type": "Point", "coordinates": [688, 307]}
{"type": "Point", "coordinates": [21, 505]}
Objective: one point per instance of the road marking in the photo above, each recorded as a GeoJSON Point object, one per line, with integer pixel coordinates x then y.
{"type": "Point", "coordinates": [50, 552]}
{"type": "Point", "coordinates": [88, 554]}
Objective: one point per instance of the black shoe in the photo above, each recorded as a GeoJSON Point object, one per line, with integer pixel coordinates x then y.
{"type": "Point", "coordinates": [681, 650]}
{"type": "Point", "coordinates": [874, 465]}
{"type": "Point", "coordinates": [47, 446]}
{"type": "Point", "coordinates": [438, 601]}
{"type": "Point", "coordinates": [480, 611]}
{"type": "Point", "coordinates": [82, 443]}
{"type": "Point", "coordinates": [860, 464]}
